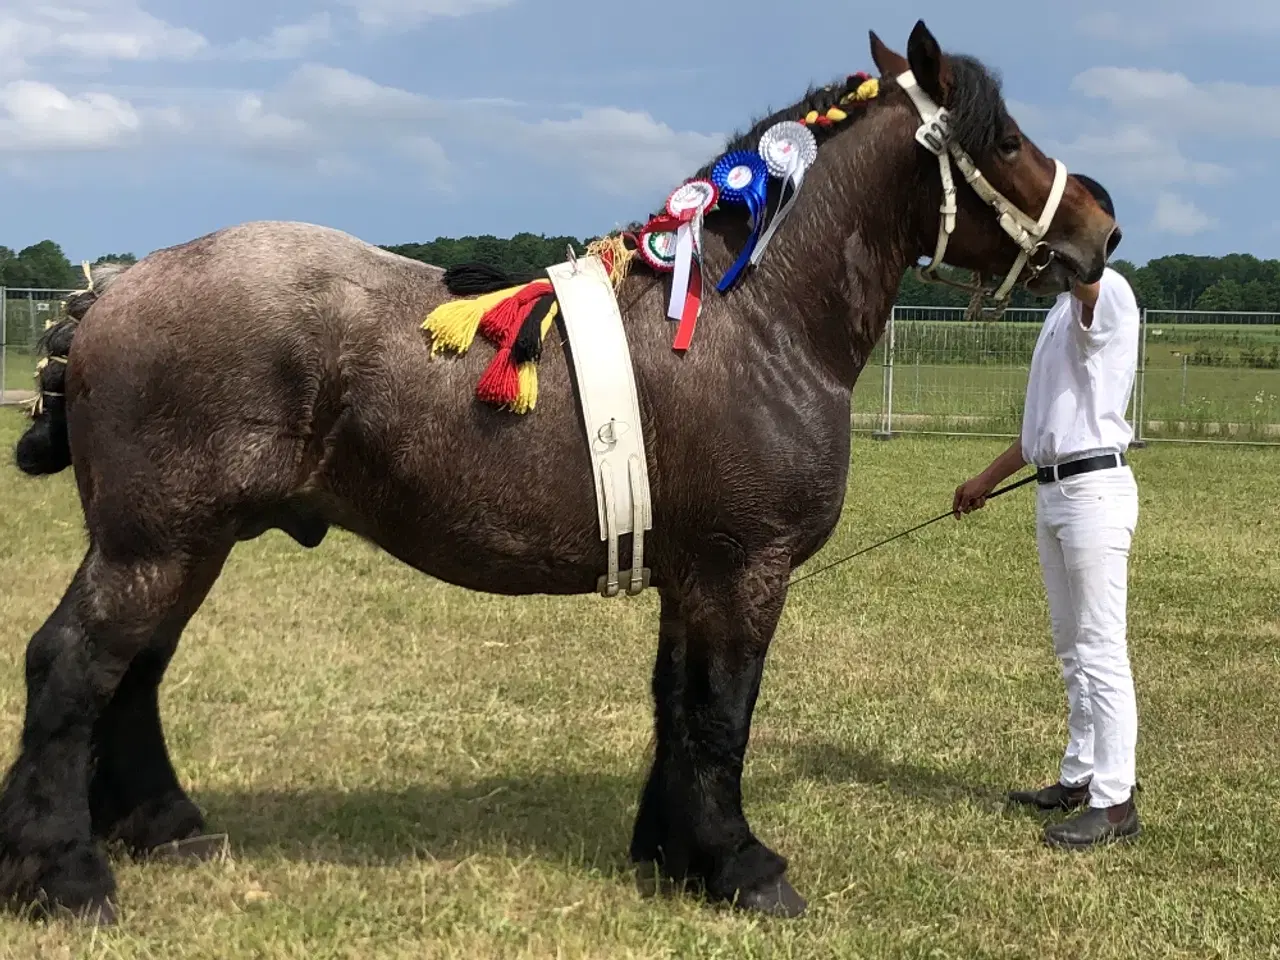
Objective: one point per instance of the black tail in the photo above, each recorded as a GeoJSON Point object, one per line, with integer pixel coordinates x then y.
{"type": "Point", "coordinates": [45, 447]}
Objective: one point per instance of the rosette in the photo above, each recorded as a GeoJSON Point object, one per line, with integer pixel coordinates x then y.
{"type": "Point", "coordinates": [789, 150]}
{"type": "Point", "coordinates": [687, 206]}
{"type": "Point", "coordinates": [656, 243]}
{"type": "Point", "coordinates": [742, 178]}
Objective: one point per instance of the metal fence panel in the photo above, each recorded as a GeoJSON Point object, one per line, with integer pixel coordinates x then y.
{"type": "Point", "coordinates": [945, 374]}
{"type": "Point", "coordinates": [1207, 377]}
{"type": "Point", "coordinates": [1201, 376]}
{"type": "Point", "coordinates": [23, 315]}
{"type": "Point", "coordinates": [1211, 376]}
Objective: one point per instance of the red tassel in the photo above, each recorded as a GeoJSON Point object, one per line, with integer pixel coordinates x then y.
{"type": "Point", "coordinates": [501, 324]}
{"type": "Point", "coordinates": [501, 381]}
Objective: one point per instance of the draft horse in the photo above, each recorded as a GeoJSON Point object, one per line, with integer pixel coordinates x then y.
{"type": "Point", "coordinates": [277, 376]}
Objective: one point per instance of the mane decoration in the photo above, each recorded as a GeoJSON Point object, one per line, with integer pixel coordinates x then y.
{"type": "Point", "coordinates": [515, 314]}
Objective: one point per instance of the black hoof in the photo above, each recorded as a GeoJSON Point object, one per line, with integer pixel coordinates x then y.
{"type": "Point", "coordinates": [775, 899]}
{"type": "Point", "coordinates": [651, 881]}
{"type": "Point", "coordinates": [100, 913]}
{"type": "Point", "coordinates": [198, 848]}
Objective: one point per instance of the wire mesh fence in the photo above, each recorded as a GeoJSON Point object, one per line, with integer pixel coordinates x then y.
{"type": "Point", "coordinates": [1211, 376]}
{"type": "Point", "coordinates": [23, 315]}
{"type": "Point", "coordinates": [1201, 376]}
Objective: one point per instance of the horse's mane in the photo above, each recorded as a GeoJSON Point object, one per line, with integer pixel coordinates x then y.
{"type": "Point", "coordinates": [978, 111]}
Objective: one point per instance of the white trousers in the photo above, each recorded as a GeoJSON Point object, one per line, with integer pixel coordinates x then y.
{"type": "Point", "coordinates": [1084, 525]}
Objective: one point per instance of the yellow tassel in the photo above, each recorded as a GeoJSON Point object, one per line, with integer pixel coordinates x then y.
{"type": "Point", "coordinates": [836, 115]}
{"type": "Point", "coordinates": [453, 325]}
{"type": "Point", "coordinates": [867, 90]}
{"type": "Point", "coordinates": [527, 397]}
{"type": "Point", "coordinates": [811, 117]}
{"type": "Point", "coordinates": [549, 319]}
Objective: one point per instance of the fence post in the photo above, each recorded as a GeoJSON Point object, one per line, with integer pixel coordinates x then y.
{"type": "Point", "coordinates": [4, 342]}
{"type": "Point", "coordinates": [886, 421]}
{"type": "Point", "coordinates": [1140, 400]}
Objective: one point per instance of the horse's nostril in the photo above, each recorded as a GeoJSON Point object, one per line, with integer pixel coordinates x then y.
{"type": "Point", "coordinates": [1113, 241]}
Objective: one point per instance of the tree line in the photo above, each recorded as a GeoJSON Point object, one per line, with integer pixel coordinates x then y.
{"type": "Point", "coordinates": [1238, 281]}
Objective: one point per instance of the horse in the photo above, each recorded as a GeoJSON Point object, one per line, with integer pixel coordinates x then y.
{"type": "Point", "coordinates": [276, 376]}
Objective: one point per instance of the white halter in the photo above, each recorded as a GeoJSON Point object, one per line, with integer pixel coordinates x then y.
{"type": "Point", "coordinates": [934, 135]}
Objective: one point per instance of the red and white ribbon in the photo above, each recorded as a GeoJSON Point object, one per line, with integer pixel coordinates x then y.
{"type": "Point", "coordinates": [687, 207]}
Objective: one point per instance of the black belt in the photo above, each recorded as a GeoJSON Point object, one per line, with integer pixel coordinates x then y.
{"type": "Point", "coordinates": [1072, 468]}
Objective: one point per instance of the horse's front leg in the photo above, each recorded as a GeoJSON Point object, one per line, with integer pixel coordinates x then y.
{"type": "Point", "coordinates": [715, 634]}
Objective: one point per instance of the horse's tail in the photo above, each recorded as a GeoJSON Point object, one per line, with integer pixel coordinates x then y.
{"type": "Point", "coordinates": [45, 448]}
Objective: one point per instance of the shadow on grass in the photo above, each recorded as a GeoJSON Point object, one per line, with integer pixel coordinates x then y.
{"type": "Point", "coordinates": [579, 818]}
{"type": "Point", "coordinates": [834, 763]}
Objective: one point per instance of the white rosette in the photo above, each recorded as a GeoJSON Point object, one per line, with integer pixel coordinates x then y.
{"type": "Point", "coordinates": [689, 204]}
{"type": "Point", "coordinates": [789, 150]}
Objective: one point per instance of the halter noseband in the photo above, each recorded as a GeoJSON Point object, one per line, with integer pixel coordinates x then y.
{"type": "Point", "coordinates": [934, 134]}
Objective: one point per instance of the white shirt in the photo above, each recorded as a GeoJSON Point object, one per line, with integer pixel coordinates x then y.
{"type": "Point", "coordinates": [1082, 377]}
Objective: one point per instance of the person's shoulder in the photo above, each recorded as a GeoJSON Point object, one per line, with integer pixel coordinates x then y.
{"type": "Point", "coordinates": [1116, 289]}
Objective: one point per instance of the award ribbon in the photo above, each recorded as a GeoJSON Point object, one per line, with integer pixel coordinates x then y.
{"type": "Point", "coordinates": [742, 178]}
{"type": "Point", "coordinates": [687, 206]}
{"type": "Point", "coordinates": [789, 150]}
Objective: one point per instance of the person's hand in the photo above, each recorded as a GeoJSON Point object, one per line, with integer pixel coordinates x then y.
{"type": "Point", "coordinates": [971, 495]}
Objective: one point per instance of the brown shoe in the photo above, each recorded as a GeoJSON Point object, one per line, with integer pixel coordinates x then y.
{"type": "Point", "coordinates": [1059, 796]}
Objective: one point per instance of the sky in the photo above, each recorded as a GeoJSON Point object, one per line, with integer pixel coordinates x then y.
{"type": "Point", "coordinates": [128, 125]}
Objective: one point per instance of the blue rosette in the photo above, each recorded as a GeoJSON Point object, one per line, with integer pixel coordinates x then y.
{"type": "Point", "coordinates": [742, 178]}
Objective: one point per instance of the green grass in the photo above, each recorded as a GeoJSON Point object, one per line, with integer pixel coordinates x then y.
{"type": "Point", "coordinates": [19, 365]}
{"type": "Point", "coordinates": [408, 770]}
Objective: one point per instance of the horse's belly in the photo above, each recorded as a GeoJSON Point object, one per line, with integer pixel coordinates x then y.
{"type": "Point", "coordinates": [485, 499]}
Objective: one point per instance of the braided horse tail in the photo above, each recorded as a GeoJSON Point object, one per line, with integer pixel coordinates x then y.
{"type": "Point", "coordinates": [45, 448]}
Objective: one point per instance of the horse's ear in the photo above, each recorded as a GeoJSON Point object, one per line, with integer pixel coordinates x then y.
{"type": "Point", "coordinates": [929, 64]}
{"type": "Point", "coordinates": [890, 64]}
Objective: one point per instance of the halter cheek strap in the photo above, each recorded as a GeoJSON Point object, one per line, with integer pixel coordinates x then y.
{"type": "Point", "coordinates": [934, 134]}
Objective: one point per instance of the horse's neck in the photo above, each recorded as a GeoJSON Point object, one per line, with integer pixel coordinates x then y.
{"type": "Point", "coordinates": [831, 274]}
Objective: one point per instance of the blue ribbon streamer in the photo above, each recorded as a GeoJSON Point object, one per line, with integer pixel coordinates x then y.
{"type": "Point", "coordinates": [754, 196]}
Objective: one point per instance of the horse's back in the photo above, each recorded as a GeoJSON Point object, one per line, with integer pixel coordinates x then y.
{"type": "Point", "coordinates": [279, 362]}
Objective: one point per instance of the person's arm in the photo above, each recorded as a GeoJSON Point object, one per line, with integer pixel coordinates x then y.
{"type": "Point", "coordinates": [972, 494]}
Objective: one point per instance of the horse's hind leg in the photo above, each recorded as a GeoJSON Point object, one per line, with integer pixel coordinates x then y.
{"type": "Point", "coordinates": [117, 605]}
{"type": "Point", "coordinates": [134, 794]}
{"type": "Point", "coordinates": [690, 826]}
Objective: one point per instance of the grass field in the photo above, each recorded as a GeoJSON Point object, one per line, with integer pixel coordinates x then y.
{"type": "Point", "coordinates": [407, 770]}
{"type": "Point", "coordinates": [18, 368]}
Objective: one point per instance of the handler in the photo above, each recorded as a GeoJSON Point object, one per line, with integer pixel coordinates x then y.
{"type": "Point", "coordinates": [1074, 432]}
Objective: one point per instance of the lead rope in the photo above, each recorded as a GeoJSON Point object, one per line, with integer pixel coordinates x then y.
{"type": "Point", "coordinates": [898, 536]}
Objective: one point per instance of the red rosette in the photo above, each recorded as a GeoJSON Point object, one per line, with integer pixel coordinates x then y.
{"type": "Point", "coordinates": [656, 243]}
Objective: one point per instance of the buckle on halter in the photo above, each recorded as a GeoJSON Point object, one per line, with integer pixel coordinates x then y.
{"type": "Point", "coordinates": [1038, 268]}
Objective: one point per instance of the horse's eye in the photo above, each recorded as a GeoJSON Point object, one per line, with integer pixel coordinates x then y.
{"type": "Point", "coordinates": [1011, 144]}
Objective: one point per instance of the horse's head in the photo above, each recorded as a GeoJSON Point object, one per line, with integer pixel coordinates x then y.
{"type": "Point", "coordinates": [1007, 210]}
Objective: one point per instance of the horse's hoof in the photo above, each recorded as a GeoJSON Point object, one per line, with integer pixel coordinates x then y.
{"type": "Point", "coordinates": [651, 881]}
{"type": "Point", "coordinates": [648, 878]}
{"type": "Point", "coordinates": [776, 899]}
{"type": "Point", "coordinates": [100, 913]}
{"type": "Point", "coordinates": [205, 847]}
{"type": "Point", "coordinates": [103, 914]}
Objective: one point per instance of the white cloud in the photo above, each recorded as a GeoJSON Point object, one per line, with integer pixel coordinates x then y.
{"type": "Point", "coordinates": [331, 121]}
{"type": "Point", "coordinates": [386, 13]}
{"type": "Point", "coordinates": [289, 42]}
{"type": "Point", "coordinates": [92, 32]}
{"type": "Point", "coordinates": [1172, 102]}
{"type": "Point", "coordinates": [38, 117]}
{"type": "Point", "coordinates": [621, 151]}
{"type": "Point", "coordinates": [1136, 156]}
{"type": "Point", "coordinates": [1180, 217]}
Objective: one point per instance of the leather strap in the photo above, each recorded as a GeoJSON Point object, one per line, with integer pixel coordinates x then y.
{"type": "Point", "coordinates": [1072, 468]}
